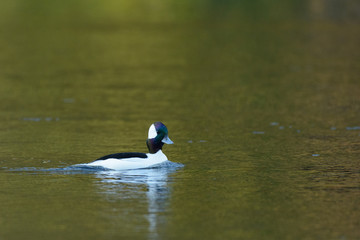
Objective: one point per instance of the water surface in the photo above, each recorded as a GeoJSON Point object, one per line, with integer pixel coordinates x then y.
{"type": "Point", "coordinates": [261, 100]}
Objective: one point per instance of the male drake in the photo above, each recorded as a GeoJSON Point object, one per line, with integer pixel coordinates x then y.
{"type": "Point", "coordinates": [157, 137]}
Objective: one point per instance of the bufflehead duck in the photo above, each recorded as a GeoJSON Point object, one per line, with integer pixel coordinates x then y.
{"type": "Point", "coordinates": [157, 137]}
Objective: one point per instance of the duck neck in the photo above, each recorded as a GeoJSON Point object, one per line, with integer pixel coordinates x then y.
{"type": "Point", "coordinates": [155, 144]}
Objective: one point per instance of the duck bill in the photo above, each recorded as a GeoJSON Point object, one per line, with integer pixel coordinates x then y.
{"type": "Point", "coordinates": [167, 140]}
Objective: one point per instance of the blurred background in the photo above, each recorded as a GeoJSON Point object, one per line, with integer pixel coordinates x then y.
{"type": "Point", "coordinates": [262, 100]}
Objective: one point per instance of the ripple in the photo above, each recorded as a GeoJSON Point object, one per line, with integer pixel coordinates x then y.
{"type": "Point", "coordinates": [258, 132]}
{"type": "Point", "coordinates": [68, 100]}
{"type": "Point", "coordinates": [32, 119]}
{"type": "Point", "coordinates": [353, 128]}
{"type": "Point", "coordinates": [86, 169]}
{"type": "Point", "coordinates": [38, 119]}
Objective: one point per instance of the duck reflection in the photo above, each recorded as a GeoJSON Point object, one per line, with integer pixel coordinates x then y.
{"type": "Point", "coordinates": [142, 191]}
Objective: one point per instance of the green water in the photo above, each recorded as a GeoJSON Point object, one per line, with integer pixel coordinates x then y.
{"type": "Point", "coordinates": [262, 100]}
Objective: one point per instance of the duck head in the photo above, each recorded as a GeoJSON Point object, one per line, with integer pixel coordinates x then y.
{"type": "Point", "coordinates": [157, 137]}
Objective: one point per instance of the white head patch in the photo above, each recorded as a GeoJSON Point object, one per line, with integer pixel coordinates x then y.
{"type": "Point", "coordinates": [152, 132]}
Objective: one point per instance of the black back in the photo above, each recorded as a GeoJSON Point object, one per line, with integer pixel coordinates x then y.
{"type": "Point", "coordinates": [124, 155]}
